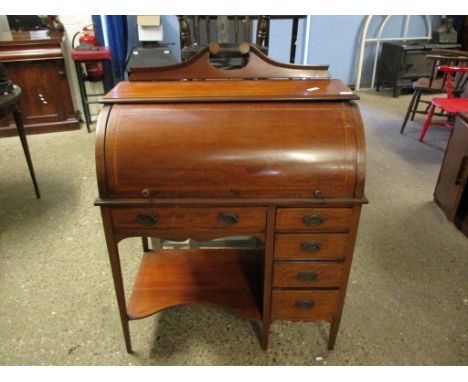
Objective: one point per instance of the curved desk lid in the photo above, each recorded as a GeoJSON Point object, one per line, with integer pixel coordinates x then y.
{"type": "Point", "coordinates": [243, 150]}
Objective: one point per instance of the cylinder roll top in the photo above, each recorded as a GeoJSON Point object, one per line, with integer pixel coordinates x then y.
{"type": "Point", "coordinates": [278, 149]}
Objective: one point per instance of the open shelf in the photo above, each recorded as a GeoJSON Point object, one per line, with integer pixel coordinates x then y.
{"type": "Point", "coordinates": [172, 277]}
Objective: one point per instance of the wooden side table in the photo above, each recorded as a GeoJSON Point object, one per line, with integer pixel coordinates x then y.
{"type": "Point", "coordinates": [8, 106]}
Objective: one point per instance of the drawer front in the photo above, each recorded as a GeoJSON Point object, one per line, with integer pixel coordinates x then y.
{"type": "Point", "coordinates": [170, 218]}
{"type": "Point", "coordinates": [314, 219]}
{"type": "Point", "coordinates": [304, 305]}
{"type": "Point", "coordinates": [312, 246]}
{"type": "Point", "coordinates": [299, 274]}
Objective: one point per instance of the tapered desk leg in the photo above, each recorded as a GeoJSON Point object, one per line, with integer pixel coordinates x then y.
{"type": "Point", "coordinates": [114, 257]}
{"type": "Point", "coordinates": [24, 143]}
{"type": "Point", "coordinates": [334, 325]}
{"type": "Point", "coordinates": [267, 276]}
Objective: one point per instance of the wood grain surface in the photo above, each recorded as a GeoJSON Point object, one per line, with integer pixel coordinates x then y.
{"type": "Point", "coordinates": [172, 277]}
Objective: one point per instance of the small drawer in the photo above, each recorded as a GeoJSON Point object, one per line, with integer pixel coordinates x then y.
{"type": "Point", "coordinates": [170, 218]}
{"type": "Point", "coordinates": [314, 219]}
{"type": "Point", "coordinates": [303, 274]}
{"type": "Point", "coordinates": [311, 246]}
{"type": "Point", "coordinates": [304, 305]}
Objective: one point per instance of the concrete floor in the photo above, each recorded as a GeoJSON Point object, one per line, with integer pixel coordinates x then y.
{"type": "Point", "coordinates": [407, 301]}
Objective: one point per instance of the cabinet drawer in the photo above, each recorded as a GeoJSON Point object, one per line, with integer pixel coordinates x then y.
{"type": "Point", "coordinates": [300, 274]}
{"type": "Point", "coordinates": [314, 219]}
{"type": "Point", "coordinates": [304, 305]}
{"type": "Point", "coordinates": [312, 246]}
{"type": "Point", "coordinates": [169, 218]}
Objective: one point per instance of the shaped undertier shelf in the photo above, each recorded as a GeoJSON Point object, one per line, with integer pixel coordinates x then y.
{"type": "Point", "coordinates": [221, 277]}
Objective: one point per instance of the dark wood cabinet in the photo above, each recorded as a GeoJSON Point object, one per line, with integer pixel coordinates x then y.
{"type": "Point", "coordinates": [451, 192]}
{"type": "Point", "coordinates": [401, 63]}
{"type": "Point", "coordinates": [37, 66]}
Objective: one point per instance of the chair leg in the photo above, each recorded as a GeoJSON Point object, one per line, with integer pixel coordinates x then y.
{"type": "Point", "coordinates": [427, 122]}
{"type": "Point", "coordinates": [416, 104]}
{"type": "Point", "coordinates": [22, 135]}
{"type": "Point", "coordinates": [410, 109]}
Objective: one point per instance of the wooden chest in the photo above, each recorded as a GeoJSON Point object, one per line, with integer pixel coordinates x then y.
{"type": "Point", "coordinates": [279, 160]}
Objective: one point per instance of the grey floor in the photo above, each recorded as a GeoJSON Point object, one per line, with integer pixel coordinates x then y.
{"type": "Point", "coordinates": [407, 301]}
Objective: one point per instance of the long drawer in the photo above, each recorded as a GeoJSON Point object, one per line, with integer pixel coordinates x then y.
{"type": "Point", "coordinates": [307, 274]}
{"type": "Point", "coordinates": [304, 305]}
{"type": "Point", "coordinates": [311, 246]}
{"type": "Point", "coordinates": [172, 218]}
{"type": "Point", "coordinates": [313, 219]}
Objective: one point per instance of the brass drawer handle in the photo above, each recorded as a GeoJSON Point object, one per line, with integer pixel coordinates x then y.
{"type": "Point", "coordinates": [313, 220]}
{"type": "Point", "coordinates": [228, 218]}
{"type": "Point", "coordinates": [147, 219]}
{"type": "Point", "coordinates": [311, 246]}
{"type": "Point", "coordinates": [304, 304]}
{"type": "Point", "coordinates": [307, 276]}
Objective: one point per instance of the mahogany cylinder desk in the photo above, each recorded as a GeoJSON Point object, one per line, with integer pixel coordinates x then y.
{"type": "Point", "coordinates": [243, 152]}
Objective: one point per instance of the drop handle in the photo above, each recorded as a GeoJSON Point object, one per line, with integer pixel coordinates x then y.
{"type": "Point", "coordinates": [311, 246]}
{"type": "Point", "coordinates": [313, 220]}
{"type": "Point", "coordinates": [228, 218]}
{"type": "Point", "coordinates": [307, 276]}
{"type": "Point", "coordinates": [147, 219]}
{"type": "Point", "coordinates": [304, 304]}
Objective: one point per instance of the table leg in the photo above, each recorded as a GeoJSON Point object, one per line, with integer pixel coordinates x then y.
{"type": "Point", "coordinates": [24, 143]}
{"type": "Point", "coordinates": [114, 257]}
{"type": "Point", "coordinates": [84, 98]}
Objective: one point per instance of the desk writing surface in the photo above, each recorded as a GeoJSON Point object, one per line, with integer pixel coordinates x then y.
{"type": "Point", "coordinates": [229, 90]}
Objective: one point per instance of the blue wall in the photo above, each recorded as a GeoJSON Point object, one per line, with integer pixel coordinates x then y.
{"type": "Point", "coordinates": [334, 40]}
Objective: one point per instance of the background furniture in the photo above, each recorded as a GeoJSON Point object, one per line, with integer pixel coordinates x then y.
{"type": "Point", "coordinates": [451, 192]}
{"type": "Point", "coordinates": [401, 63]}
{"type": "Point", "coordinates": [435, 83]}
{"type": "Point", "coordinates": [9, 106]}
{"type": "Point", "coordinates": [258, 161]}
{"type": "Point", "coordinates": [197, 32]}
{"type": "Point", "coordinates": [450, 104]}
{"type": "Point", "coordinates": [148, 57]}
{"type": "Point", "coordinates": [81, 57]}
{"type": "Point", "coordinates": [34, 61]}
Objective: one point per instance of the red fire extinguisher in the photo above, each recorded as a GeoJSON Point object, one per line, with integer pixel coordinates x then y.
{"type": "Point", "coordinates": [87, 41]}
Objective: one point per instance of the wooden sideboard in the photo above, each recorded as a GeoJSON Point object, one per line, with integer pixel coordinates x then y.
{"type": "Point", "coordinates": [281, 160]}
{"type": "Point", "coordinates": [451, 192]}
{"type": "Point", "coordinates": [34, 61]}
{"type": "Point", "coordinates": [400, 63]}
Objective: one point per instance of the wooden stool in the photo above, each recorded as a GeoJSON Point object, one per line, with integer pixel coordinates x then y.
{"type": "Point", "coordinates": [9, 105]}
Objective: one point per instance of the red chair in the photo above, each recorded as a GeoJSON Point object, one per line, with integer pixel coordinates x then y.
{"type": "Point", "coordinates": [450, 104]}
